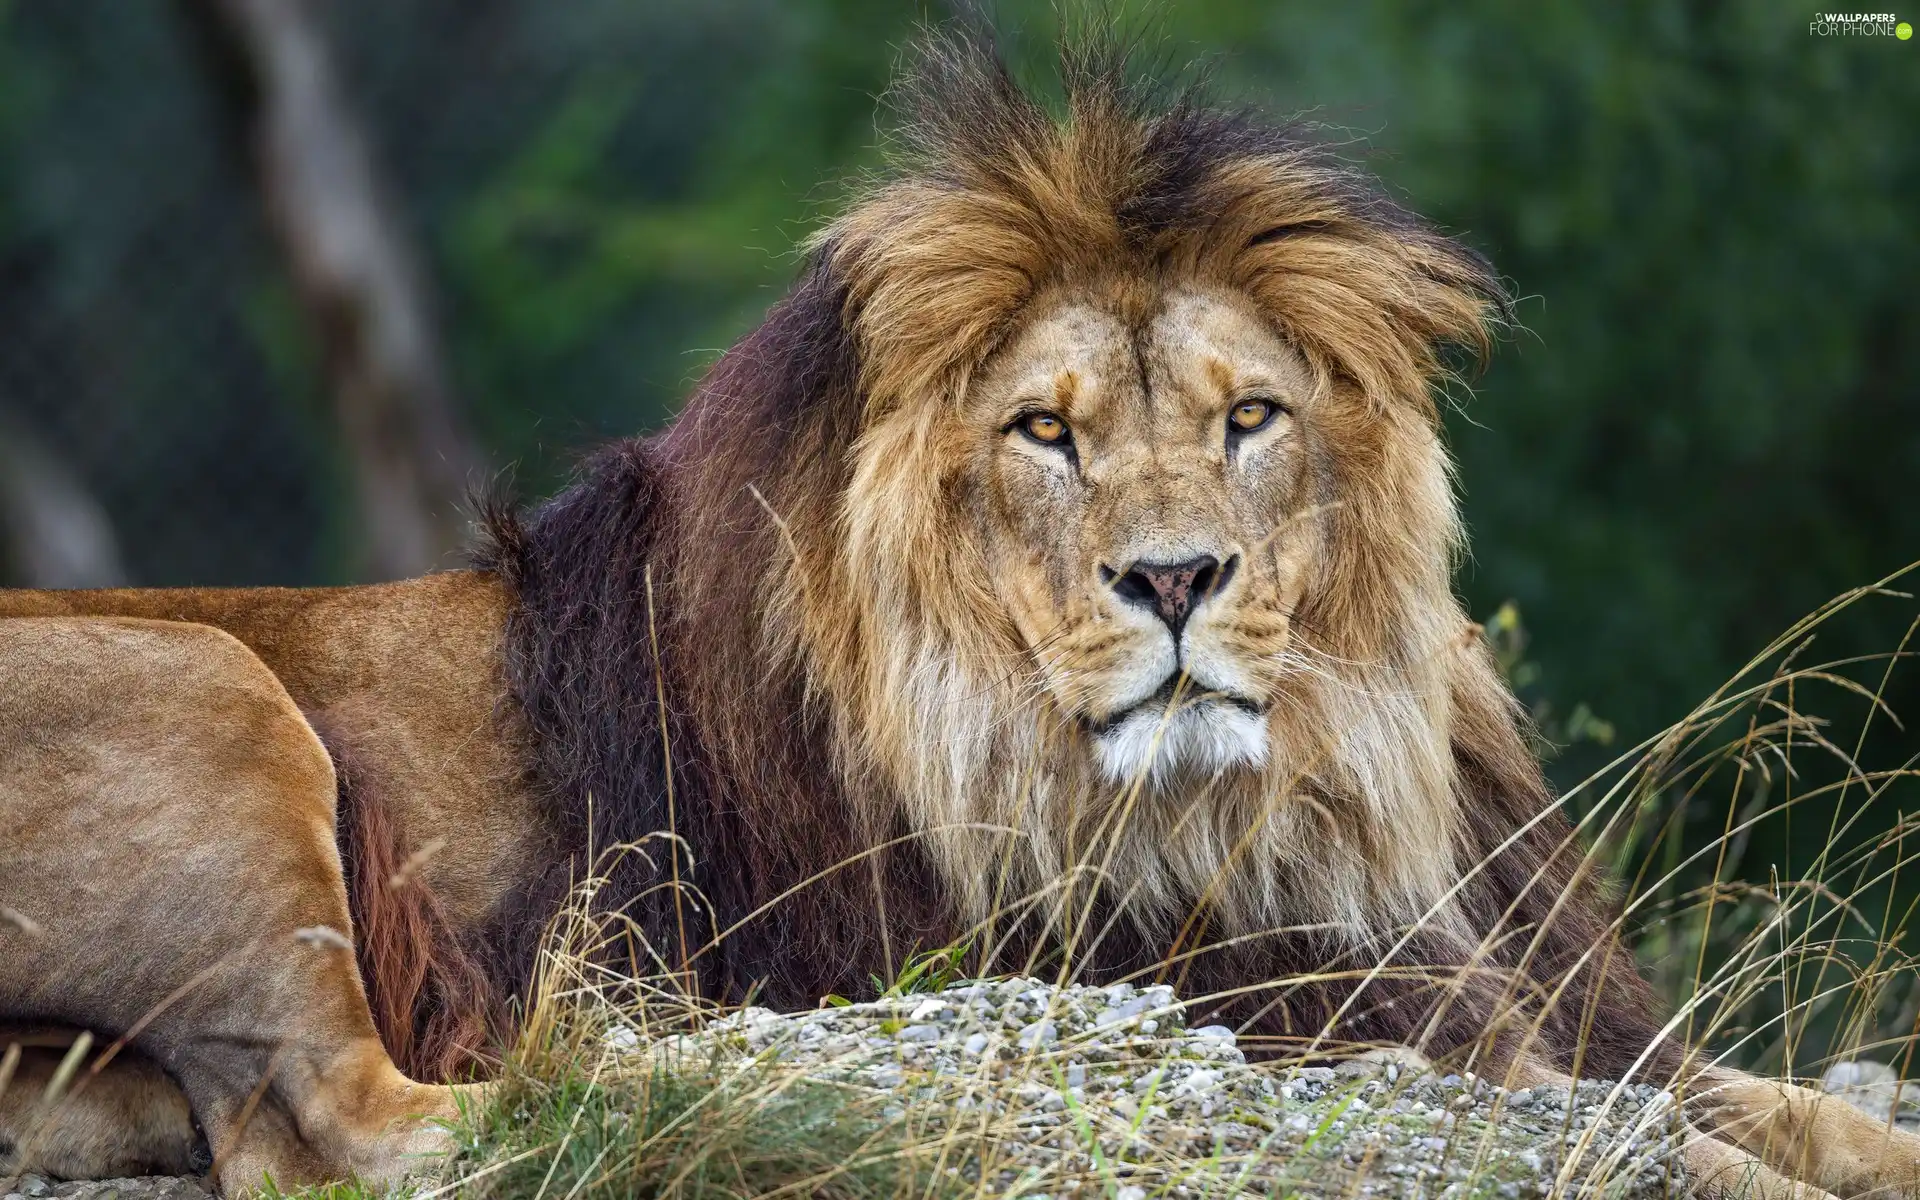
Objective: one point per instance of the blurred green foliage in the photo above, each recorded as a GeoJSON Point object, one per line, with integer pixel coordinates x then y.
{"type": "Point", "coordinates": [1553, 732]}
{"type": "Point", "coordinates": [1707, 422]}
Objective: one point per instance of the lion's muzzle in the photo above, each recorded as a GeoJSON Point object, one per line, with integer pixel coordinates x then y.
{"type": "Point", "coordinates": [1171, 590]}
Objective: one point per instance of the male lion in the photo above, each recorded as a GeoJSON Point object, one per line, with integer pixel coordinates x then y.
{"type": "Point", "coordinates": [1064, 563]}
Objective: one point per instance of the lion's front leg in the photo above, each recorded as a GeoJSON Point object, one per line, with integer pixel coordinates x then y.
{"type": "Point", "coordinates": [1809, 1135]}
{"type": "Point", "coordinates": [168, 871]}
{"type": "Point", "coordinates": [1719, 1163]}
{"type": "Point", "coordinates": [1718, 1171]}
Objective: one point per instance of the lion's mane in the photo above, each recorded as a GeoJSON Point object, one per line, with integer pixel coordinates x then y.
{"type": "Point", "coordinates": [758, 630]}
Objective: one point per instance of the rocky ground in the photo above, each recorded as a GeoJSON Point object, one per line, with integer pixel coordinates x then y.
{"type": "Point", "coordinates": [152, 1187]}
{"type": "Point", "coordinates": [1045, 1091]}
{"type": "Point", "coordinates": [1083, 1085]}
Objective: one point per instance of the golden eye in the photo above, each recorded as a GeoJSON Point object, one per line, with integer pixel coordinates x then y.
{"type": "Point", "coordinates": [1045, 428]}
{"type": "Point", "coordinates": [1249, 415]}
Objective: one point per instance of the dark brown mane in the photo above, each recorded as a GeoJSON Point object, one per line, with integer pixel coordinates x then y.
{"type": "Point", "coordinates": [639, 654]}
{"type": "Point", "coordinates": [646, 520]}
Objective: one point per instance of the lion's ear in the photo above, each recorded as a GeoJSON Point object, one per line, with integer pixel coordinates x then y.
{"type": "Point", "coordinates": [1368, 290]}
{"type": "Point", "coordinates": [931, 274]}
{"type": "Point", "coordinates": [988, 197]}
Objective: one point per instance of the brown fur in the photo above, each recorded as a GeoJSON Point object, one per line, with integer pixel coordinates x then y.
{"type": "Point", "coordinates": [437, 1010]}
{"type": "Point", "coordinates": [860, 650]}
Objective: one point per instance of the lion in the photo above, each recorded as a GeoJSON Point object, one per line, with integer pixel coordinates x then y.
{"type": "Point", "coordinates": [1063, 568]}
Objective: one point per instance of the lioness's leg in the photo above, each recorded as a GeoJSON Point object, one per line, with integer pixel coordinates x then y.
{"type": "Point", "coordinates": [129, 1119]}
{"type": "Point", "coordinates": [168, 867]}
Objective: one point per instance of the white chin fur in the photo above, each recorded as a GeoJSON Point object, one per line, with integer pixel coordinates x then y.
{"type": "Point", "coordinates": [1202, 739]}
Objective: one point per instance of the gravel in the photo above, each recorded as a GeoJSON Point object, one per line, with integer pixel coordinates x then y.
{"type": "Point", "coordinates": [1875, 1088]}
{"type": "Point", "coordinates": [1049, 1091]}
{"type": "Point", "coordinates": [1105, 1092]}
{"type": "Point", "coordinates": [146, 1187]}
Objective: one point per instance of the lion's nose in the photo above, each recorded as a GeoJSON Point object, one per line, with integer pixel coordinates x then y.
{"type": "Point", "coordinates": [1171, 590]}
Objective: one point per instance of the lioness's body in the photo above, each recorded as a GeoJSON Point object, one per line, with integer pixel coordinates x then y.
{"type": "Point", "coordinates": [1063, 568]}
{"type": "Point", "coordinates": [167, 829]}
{"type": "Point", "coordinates": [406, 679]}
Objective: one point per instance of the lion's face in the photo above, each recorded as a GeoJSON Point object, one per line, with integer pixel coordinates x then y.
{"type": "Point", "coordinates": [1145, 482]}
{"type": "Point", "coordinates": [1143, 477]}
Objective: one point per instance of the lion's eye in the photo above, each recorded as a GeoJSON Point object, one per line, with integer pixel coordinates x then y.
{"type": "Point", "coordinates": [1251, 414]}
{"type": "Point", "coordinates": [1045, 428]}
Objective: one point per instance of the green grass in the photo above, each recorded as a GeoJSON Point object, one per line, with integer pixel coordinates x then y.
{"type": "Point", "coordinates": [562, 1132]}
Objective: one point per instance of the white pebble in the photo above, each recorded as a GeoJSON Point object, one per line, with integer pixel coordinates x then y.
{"type": "Point", "coordinates": [1040, 1033]}
{"type": "Point", "coordinates": [927, 1009]}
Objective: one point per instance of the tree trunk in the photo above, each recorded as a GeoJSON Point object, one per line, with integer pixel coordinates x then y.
{"type": "Point", "coordinates": [53, 533]}
{"type": "Point", "coordinates": [360, 283]}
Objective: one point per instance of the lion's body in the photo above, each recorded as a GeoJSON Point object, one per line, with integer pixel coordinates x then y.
{"type": "Point", "coordinates": [955, 607]}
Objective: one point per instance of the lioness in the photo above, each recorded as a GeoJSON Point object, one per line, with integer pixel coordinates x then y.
{"type": "Point", "coordinates": [1063, 564]}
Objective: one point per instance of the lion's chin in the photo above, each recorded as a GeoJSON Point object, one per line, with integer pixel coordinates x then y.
{"type": "Point", "coordinates": [1204, 738]}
